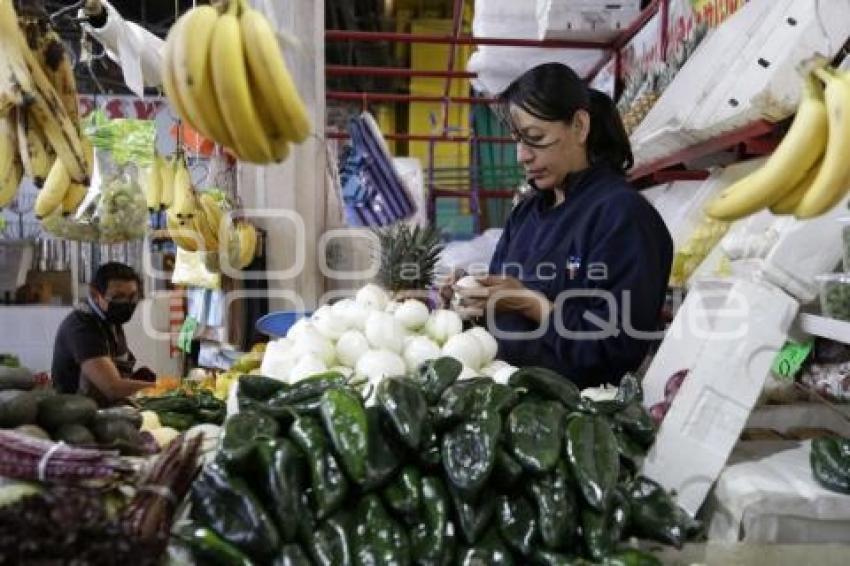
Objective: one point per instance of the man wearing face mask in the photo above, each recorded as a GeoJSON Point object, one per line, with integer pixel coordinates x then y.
{"type": "Point", "coordinates": [90, 355]}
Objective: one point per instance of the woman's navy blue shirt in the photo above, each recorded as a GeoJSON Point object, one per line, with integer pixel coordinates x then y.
{"type": "Point", "coordinates": [603, 257]}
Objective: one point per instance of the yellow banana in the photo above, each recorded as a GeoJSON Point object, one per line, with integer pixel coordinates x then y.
{"type": "Point", "coordinates": [797, 152]}
{"type": "Point", "coordinates": [16, 83]}
{"type": "Point", "coordinates": [208, 236]}
{"type": "Point", "coordinates": [190, 40]}
{"type": "Point", "coordinates": [11, 169]}
{"type": "Point", "coordinates": [169, 80]}
{"type": "Point", "coordinates": [57, 66]}
{"type": "Point", "coordinates": [229, 244]}
{"type": "Point", "coordinates": [73, 198]}
{"type": "Point", "coordinates": [247, 243]}
{"type": "Point", "coordinates": [183, 234]}
{"type": "Point", "coordinates": [184, 196]}
{"type": "Point", "coordinates": [35, 153]}
{"type": "Point", "coordinates": [276, 87]}
{"type": "Point", "coordinates": [152, 184]}
{"type": "Point", "coordinates": [166, 169]}
{"type": "Point", "coordinates": [833, 178]}
{"type": "Point", "coordinates": [212, 211]}
{"type": "Point", "coordinates": [53, 59]}
{"type": "Point", "coordinates": [55, 188]}
{"type": "Point", "coordinates": [792, 198]}
{"type": "Point", "coordinates": [45, 107]}
{"type": "Point", "coordinates": [230, 77]}
{"type": "Point", "coordinates": [278, 141]}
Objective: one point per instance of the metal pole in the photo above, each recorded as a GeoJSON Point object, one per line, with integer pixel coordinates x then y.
{"type": "Point", "coordinates": [354, 71]}
{"type": "Point", "coordinates": [394, 37]}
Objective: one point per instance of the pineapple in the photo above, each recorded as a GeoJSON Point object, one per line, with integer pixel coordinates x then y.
{"type": "Point", "coordinates": [408, 255]}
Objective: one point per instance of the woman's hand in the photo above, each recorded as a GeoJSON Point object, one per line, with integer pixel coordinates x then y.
{"type": "Point", "coordinates": [504, 294]}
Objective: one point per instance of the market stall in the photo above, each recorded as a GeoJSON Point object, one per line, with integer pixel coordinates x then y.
{"type": "Point", "coordinates": [239, 325]}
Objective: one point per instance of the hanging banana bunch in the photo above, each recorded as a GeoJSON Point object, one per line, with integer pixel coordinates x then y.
{"type": "Point", "coordinates": [39, 114]}
{"type": "Point", "coordinates": [809, 172]}
{"type": "Point", "coordinates": [225, 75]}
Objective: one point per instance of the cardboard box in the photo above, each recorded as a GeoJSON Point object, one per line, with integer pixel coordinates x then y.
{"type": "Point", "coordinates": [584, 19]}
{"type": "Point", "coordinates": [726, 334]}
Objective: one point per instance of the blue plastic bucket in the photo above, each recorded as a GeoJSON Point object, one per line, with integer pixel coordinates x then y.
{"type": "Point", "coordinates": [277, 324]}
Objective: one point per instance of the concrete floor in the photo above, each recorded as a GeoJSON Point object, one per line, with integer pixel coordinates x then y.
{"type": "Point", "coordinates": [747, 554]}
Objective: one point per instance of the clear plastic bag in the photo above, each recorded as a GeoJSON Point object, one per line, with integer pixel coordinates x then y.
{"type": "Point", "coordinates": [122, 213]}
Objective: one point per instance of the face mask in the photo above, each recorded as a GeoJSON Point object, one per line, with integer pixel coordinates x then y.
{"type": "Point", "coordinates": [120, 313]}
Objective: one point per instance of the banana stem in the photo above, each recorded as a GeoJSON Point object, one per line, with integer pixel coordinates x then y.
{"type": "Point", "coordinates": [824, 73]}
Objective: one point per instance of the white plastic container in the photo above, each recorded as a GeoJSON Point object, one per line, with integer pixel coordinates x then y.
{"type": "Point", "coordinates": [727, 335]}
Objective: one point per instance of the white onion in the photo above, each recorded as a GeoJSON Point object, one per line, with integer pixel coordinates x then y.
{"type": "Point", "coordinates": [442, 325]}
{"type": "Point", "coordinates": [378, 364]}
{"type": "Point", "coordinates": [308, 365]}
{"type": "Point", "coordinates": [467, 373]}
{"type": "Point", "coordinates": [329, 325]}
{"type": "Point", "coordinates": [489, 346]}
{"type": "Point", "coordinates": [420, 349]}
{"type": "Point", "coordinates": [384, 332]}
{"type": "Point", "coordinates": [464, 348]}
{"type": "Point", "coordinates": [412, 314]}
{"type": "Point", "coordinates": [372, 297]}
{"type": "Point", "coordinates": [493, 368]}
{"type": "Point", "coordinates": [311, 341]}
{"type": "Point", "coordinates": [350, 347]}
{"type": "Point", "coordinates": [504, 374]}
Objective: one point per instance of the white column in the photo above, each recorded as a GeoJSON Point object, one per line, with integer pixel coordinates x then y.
{"type": "Point", "coordinates": [298, 187]}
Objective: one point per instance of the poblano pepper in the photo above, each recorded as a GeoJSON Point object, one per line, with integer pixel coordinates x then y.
{"type": "Point", "coordinates": [518, 524]}
{"type": "Point", "coordinates": [469, 452]}
{"type": "Point", "coordinates": [329, 486]}
{"type": "Point", "coordinates": [473, 519]}
{"type": "Point", "coordinates": [240, 435]}
{"type": "Point", "coordinates": [490, 550]}
{"type": "Point", "coordinates": [656, 516]}
{"type": "Point", "coordinates": [402, 495]}
{"type": "Point", "coordinates": [406, 409]}
{"type": "Point", "coordinates": [331, 544]}
{"type": "Point", "coordinates": [432, 538]}
{"type": "Point", "coordinates": [593, 457]}
{"type": "Point", "coordinates": [291, 555]}
{"type": "Point", "coordinates": [226, 505]}
{"type": "Point", "coordinates": [548, 384]}
{"type": "Point", "coordinates": [830, 462]}
{"type": "Point", "coordinates": [557, 508]}
{"type": "Point", "coordinates": [477, 397]}
{"type": "Point", "coordinates": [434, 376]}
{"type": "Point", "coordinates": [378, 538]}
{"type": "Point", "coordinates": [281, 474]}
{"type": "Point", "coordinates": [259, 387]}
{"type": "Point", "coordinates": [209, 548]}
{"type": "Point", "coordinates": [348, 429]}
{"type": "Point", "coordinates": [536, 434]}
{"type": "Point", "coordinates": [381, 461]}
{"type": "Point", "coordinates": [602, 530]}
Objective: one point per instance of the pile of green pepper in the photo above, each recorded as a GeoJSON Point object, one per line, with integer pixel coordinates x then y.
{"type": "Point", "coordinates": [437, 472]}
{"type": "Point", "coordinates": [181, 410]}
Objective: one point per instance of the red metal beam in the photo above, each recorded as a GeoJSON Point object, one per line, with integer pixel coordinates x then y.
{"type": "Point", "coordinates": [390, 97]}
{"type": "Point", "coordinates": [396, 37]}
{"type": "Point", "coordinates": [709, 147]}
{"type": "Point", "coordinates": [670, 175]}
{"type": "Point", "coordinates": [591, 74]}
{"type": "Point", "coordinates": [627, 34]}
{"type": "Point", "coordinates": [353, 71]}
{"type": "Point", "coordinates": [425, 137]}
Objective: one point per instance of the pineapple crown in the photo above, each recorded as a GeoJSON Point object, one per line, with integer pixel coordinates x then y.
{"type": "Point", "coordinates": [408, 256]}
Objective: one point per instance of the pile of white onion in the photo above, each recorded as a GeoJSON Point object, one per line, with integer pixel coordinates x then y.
{"type": "Point", "coordinates": [373, 337]}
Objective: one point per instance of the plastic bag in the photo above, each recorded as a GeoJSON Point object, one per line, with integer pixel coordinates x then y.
{"type": "Point", "coordinates": [122, 212]}
{"type": "Point", "coordinates": [128, 140]}
{"type": "Point", "coordinates": [190, 271]}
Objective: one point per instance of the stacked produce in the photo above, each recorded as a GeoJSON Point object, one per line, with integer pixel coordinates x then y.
{"type": "Point", "coordinates": [197, 221]}
{"type": "Point", "coordinates": [51, 524]}
{"type": "Point", "coordinates": [182, 409]}
{"type": "Point", "coordinates": [374, 337]}
{"type": "Point", "coordinates": [808, 173]}
{"type": "Point", "coordinates": [40, 134]}
{"type": "Point", "coordinates": [225, 75]}
{"type": "Point", "coordinates": [73, 419]}
{"type": "Point", "coordinates": [438, 471]}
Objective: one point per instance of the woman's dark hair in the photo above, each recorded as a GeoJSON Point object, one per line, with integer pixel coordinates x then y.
{"type": "Point", "coordinates": [553, 92]}
{"type": "Point", "coordinates": [114, 271]}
